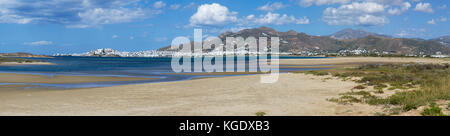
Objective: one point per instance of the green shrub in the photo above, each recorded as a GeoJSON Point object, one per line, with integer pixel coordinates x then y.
{"type": "Point", "coordinates": [379, 91]}
{"type": "Point", "coordinates": [362, 93]}
{"type": "Point", "coordinates": [260, 113]}
{"type": "Point", "coordinates": [359, 87]}
{"type": "Point", "coordinates": [433, 110]}
{"type": "Point", "coordinates": [318, 73]}
{"type": "Point", "coordinates": [349, 99]}
{"type": "Point", "coordinates": [432, 80]}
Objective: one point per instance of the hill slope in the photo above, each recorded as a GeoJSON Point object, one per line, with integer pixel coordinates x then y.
{"type": "Point", "coordinates": [292, 41]}
{"type": "Point", "coordinates": [443, 40]}
{"type": "Point", "coordinates": [350, 34]}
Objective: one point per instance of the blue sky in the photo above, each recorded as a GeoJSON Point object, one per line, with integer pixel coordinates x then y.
{"type": "Point", "coordinates": [75, 26]}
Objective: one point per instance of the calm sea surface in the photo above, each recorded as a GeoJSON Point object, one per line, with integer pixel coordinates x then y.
{"type": "Point", "coordinates": [111, 66]}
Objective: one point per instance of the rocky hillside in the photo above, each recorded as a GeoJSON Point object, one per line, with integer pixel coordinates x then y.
{"type": "Point", "coordinates": [443, 40]}
{"type": "Point", "coordinates": [350, 34]}
{"type": "Point", "coordinates": [397, 45]}
{"type": "Point", "coordinates": [292, 41]}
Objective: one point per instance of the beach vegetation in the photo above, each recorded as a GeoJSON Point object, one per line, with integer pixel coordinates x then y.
{"type": "Point", "coordinates": [345, 99]}
{"type": "Point", "coordinates": [433, 110]}
{"type": "Point", "coordinates": [380, 114]}
{"type": "Point", "coordinates": [318, 73]}
{"type": "Point", "coordinates": [379, 91]}
{"type": "Point", "coordinates": [260, 113]}
{"type": "Point", "coordinates": [362, 93]}
{"type": "Point", "coordinates": [359, 87]}
{"type": "Point", "coordinates": [419, 84]}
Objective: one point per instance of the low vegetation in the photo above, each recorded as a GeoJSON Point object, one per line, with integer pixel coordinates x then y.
{"type": "Point", "coordinates": [433, 110]}
{"type": "Point", "coordinates": [260, 113]}
{"type": "Point", "coordinates": [317, 73]}
{"type": "Point", "coordinates": [415, 85]}
{"type": "Point", "coordinates": [359, 87]}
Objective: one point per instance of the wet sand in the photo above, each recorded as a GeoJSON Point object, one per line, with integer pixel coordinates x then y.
{"type": "Point", "coordinates": [60, 79]}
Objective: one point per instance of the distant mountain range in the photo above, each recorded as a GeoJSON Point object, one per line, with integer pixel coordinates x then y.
{"type": "Point", "coordinates": [443, 40]}
{"type": "Point", "coordinates": [347, 39]}
{"type": "Point", "coordinates": [350, 34]}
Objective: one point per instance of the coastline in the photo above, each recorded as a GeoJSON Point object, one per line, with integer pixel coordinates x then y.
{"type": "Point", "coordinates": [61, 79]}
{"type": "Point", "coordinates": [24, 63]}
{"type": "Point", "coordinates": [361, 60]}
{"type": "Point", "coordinates": [294, 94]}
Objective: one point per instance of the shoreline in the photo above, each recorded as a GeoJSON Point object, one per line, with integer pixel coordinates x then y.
{"type": "Point", "coordinates": [62, 79]}
{"type": "Point", "coordinates": [24, 63]}
{"type": "Point", "coordinates": [294, 94]}
{"type": "Point", "coordinates": [212, 96]}
{"type": "Point", "coordinates": [361, 60]}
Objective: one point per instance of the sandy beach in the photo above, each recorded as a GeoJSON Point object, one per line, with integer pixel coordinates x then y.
{"type": "Point", "coordinates": [294, 94]}
{"type": "Point", "coordinates": [24, 63]}
{"type": "Point", "coordinates": [60, 79]}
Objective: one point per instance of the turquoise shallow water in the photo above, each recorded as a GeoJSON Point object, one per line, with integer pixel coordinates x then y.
{"type": "Point", "coordinates": [111, 66]}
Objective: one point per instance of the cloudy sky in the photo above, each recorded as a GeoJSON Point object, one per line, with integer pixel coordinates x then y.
{"type": "Point", "coordinates": [74, 26]}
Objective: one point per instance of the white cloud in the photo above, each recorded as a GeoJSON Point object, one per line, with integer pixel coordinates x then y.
{"type": "Point", "coordinates": [8, 16]}
{"type": "Point", "coordinates": [237, 29]}
{"type": "Point", "coordinates": [190, 5]}
{"type": "Point", "coordinates": [72, 13]}
{"type": "Point", "coordinates": [424, 7]}
{"type": "Point", "coordinates": [212, 14]}
{"type": "Point", "coordinates": [403, 33]}
{"type": "Point", "coordinates": [14, 19]}
{"type": "Point", "coordinates": [366, 7]}
{"type": "Point", "coordinates": [366, 14]}
{"type": "Point", "coordinates": [272, 6]}
{"type": "Point", "coordinates": [397, 11]}
{"type": "Point", "coordinates": [40, 43]}
{"type": "Point", "coordinates": [406, 6]}
{"type": "Point", "coordinates": [307, 3]}
{"type": "Point", "coordinates": [101, 16]}
{"type": "Point", "coordinates": [161, 39]}
{"type": "Point", "coordinates": [431, 22]}
{"type": "Point", "coordinates": [159, 4]}
{"type": "Point", "coordinates": [175, 6]}
{"type": "Point", "coordinates": [371, 20]}
{"type": "Point", "coordinates": [443, 6]}
{"type": "Point", "coordinates": [78, 26]}
{"type": "Point", "coordinates": [384, 2]}
{"type": "Point", "coordinates": [443, 19]}
{"type": "Point", "coordinates": [413, 33]}
{"type": "Point", "coordinates": [273, 19]}
{"type": "Point", "coordinates": [115, 36]}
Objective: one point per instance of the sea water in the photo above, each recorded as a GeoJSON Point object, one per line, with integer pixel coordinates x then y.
{"type": "Point", "coordinates": [153, 67]}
